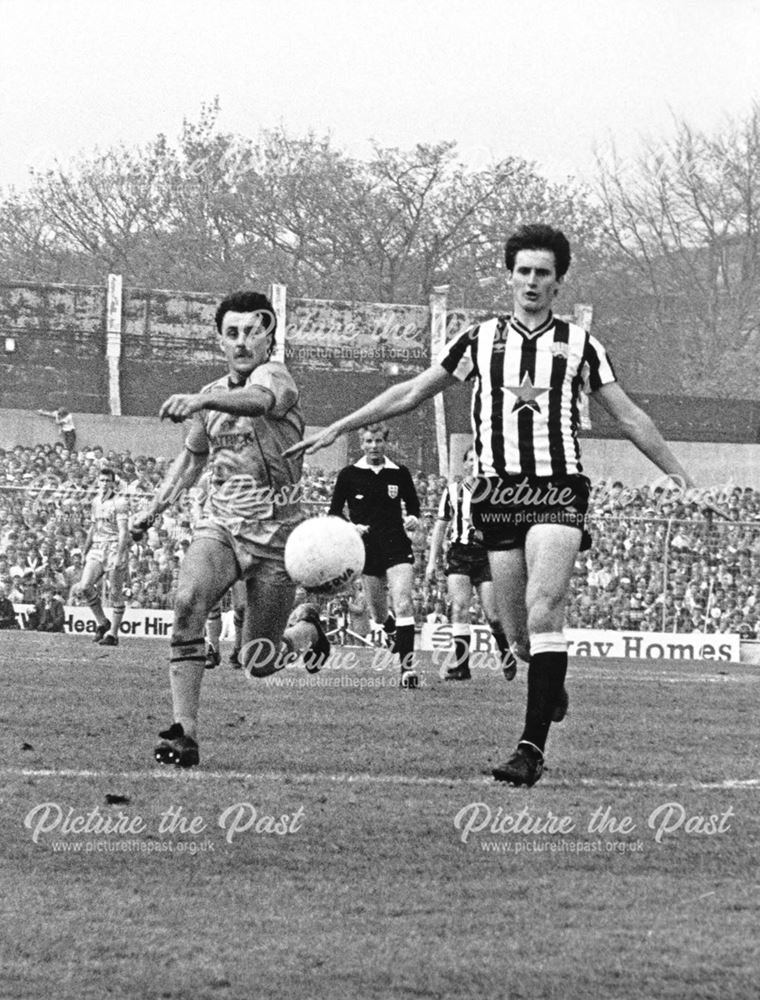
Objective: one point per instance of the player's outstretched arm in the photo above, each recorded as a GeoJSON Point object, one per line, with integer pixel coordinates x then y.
{"type": "Point", "coordinates": [392, 402]}
{"type": "Point", "coordinates": [183, 473]}
{"type": "Point", "coordinates": [247, 401]}
{"type": "Point", "coordinates": [436, 547]}
{"type": "Point", "coordinates": [639, 428]}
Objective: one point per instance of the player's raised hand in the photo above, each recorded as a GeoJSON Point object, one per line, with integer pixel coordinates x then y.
{"type": "Point", "coordinates": [139, 523]}
{"type": "Point", "coordinates": [707, 503]}
{"type": "Point", "coordinates": [180, 406]}
{"type": "Point", "coordinates": [315, 442]}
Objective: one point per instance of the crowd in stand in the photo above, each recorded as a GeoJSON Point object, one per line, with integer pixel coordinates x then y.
{"type": "Point", "coordinates": [657, 563]}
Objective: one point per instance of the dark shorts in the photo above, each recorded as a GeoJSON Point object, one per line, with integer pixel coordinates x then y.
{"type": "Point", "coordinates": [504, 510]}
{"type": "Point", "coordinates": [383, 551]}
{"type": "Point", "coordinates": [470, 561]}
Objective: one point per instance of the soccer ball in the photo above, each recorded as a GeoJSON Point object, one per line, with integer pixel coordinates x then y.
{"type": "Point", "coordinates": [323, 554]}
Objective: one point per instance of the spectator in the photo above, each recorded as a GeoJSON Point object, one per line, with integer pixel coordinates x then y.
{"type": "Point", "coordinates": [49, 614]}
{"type": "Point", "coordinates": [65, 423]}
{"type": "Point", "coordinates": [8, 618]}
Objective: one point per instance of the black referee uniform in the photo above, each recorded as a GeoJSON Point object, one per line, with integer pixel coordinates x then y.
{"type": "Point", "coordinates": [374, 495]}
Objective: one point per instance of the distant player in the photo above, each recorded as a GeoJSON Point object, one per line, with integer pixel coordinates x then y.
{"type": "Point", "coordinates": [467, 569]}
{"type": "Point", "coordinates": [214, 628]}
{"type": "Point", "coordinates": [383, 504]}
{"type": "Point", "coordinates": [239, 425]}
{"type": "Point", "coordinates": [106, 550]}
{"type": "Point", "coordinates": [65, 424]}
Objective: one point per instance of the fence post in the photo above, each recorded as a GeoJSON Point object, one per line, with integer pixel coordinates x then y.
{"type": "Point", "coordinates": [113, 343]}
{"type": "Point", "coordinates": [278, 295]}
{"type": "Point", "coordinates": [437, 343]}
{"type": "Point", "coordinates": [665, 570]}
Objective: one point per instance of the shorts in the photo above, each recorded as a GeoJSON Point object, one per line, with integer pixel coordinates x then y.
{"type": "Point", "coordinates": [470, 561]}
{"type": "Point", "coordinates": [105, 553]}
{"type": "Point", "coordinates": [504, 510]}
{"type": "Point", "coordinates": [383, 551]}
{"type": "Point", "coordinates": [261, 550]}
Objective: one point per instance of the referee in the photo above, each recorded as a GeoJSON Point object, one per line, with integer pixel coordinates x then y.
{"type": "Point", "coordinates": [383, 505]}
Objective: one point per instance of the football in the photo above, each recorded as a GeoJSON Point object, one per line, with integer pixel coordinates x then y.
{"type": "Point", "coordinates": [323, 554]}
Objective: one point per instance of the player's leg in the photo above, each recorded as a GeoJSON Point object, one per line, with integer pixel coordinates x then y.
{"type": "Point", "coordinates": [400, 588]}
{"type": "Point", "coordinates": [459, 592]}
{"type": "Point", "coordinates": [116, 579]}
{"type": "Point", "coordinates": [206, 573]}
{"type": "Point", "coordinates": [509, 577]}
{"type": "Point", "coordinates": [376, 589]}
{"type": "Point", "coordinates": [269, 602]}
{"type": "Point", "coordinates": [275, 634]}
{"type": "Point", "coordinates": [88, 590]}
{"type": "Point", "coordinates": [239, 601]}
{"type": "Point", "coordinates": [488, 602]}
{"type": "Point", "coordinates": [550, 552]}
{"type": "Point", "coordinates": [213, 636]}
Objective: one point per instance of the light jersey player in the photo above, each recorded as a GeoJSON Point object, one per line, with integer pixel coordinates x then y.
{"type": "Point", "coordinates": [239, 426]}
{"type": "Point", "coordinates": [467, 569]}
{"type": "Point", "coordinates": [105, 554]}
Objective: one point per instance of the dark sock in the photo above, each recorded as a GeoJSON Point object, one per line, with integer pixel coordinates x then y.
{"type": "Point", "coordinates": [462, 651]}
{"type": "Point", "coordinates": [502, 644]}
{"type": "Point", "coordinates": [404, 646]}
{"type": "Point", "coordinates": [390, 625]}
{"type": "Point", "coordinates": [546, 677]}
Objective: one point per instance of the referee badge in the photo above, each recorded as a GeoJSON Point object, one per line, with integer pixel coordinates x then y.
{"type": "Point", "coordinates": [392, 491]}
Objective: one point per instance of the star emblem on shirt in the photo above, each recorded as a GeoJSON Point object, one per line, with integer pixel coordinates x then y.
{"type": "Point", "coordinates": [526, 394]}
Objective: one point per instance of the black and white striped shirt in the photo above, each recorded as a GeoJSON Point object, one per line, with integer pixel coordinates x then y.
{"type": "Point", "coordinates": [528, 383]}
{"type": "Point", "coordinates": [455, 507]}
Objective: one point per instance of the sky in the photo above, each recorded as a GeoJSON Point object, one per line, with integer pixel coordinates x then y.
{"type": "Point", "coordinates": [551, 82]}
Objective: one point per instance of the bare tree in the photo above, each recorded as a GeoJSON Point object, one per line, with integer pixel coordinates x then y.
{"type": "Point", "coordinates": [217, 210]}
{"type": "Point", "coordinates": [685, 220]}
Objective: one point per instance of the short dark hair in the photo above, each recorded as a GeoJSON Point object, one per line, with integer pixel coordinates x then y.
{"type": "Point", "coordinates": [539, 237]}
{"type": "Point", "coordinates": [248, 302]}
{"type": "Point", "coordinates": [106, 470]}
{"type": "Point", "coordinates": [378, 428]}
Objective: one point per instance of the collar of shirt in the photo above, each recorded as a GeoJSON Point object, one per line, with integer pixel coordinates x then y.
{"type": "Point", "coordinates": [364, 464]}
{"type": "Point", "coordinates": [547, 324]}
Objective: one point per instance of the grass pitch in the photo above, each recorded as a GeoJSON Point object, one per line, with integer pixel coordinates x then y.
{"type": "Point", "coordinates": [343, 839]}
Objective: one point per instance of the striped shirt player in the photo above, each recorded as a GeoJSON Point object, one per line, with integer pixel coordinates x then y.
{"type": "Point", "coordinates": [467, 569]}
{"type": "Point", "coordinates": [466, 554]}
{"type": "Point", "coordinates": [526, 414]}
{"type": "Point", "coordinates": [528, 370]}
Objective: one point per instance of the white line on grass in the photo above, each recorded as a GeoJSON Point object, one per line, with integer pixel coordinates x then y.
{"type": "Point", "coordinates": [316, 778]}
